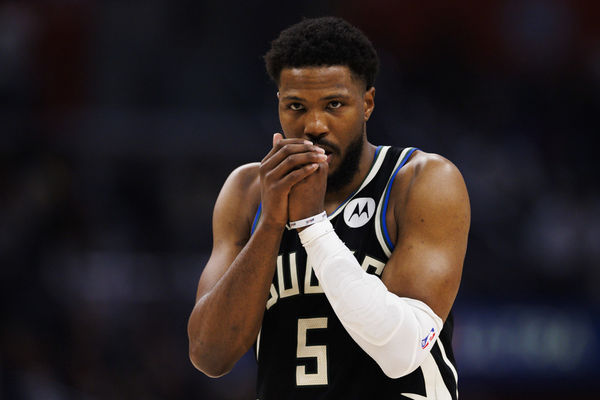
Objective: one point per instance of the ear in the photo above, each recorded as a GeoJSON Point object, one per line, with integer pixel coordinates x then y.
{"type": "Point", "coordinates": [278, 94]}
{"type": "Point", "coordinates": [369, 102]}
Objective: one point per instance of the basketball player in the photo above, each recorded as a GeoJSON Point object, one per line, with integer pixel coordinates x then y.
{"type": "Point", "coordinates": [338, 260]}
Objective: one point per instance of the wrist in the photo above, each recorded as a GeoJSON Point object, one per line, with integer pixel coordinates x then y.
{"type": "Point", "coordinates": [270, 226]}
{"type": "Point", "coordinates": [315, 231]}
{"type": "Point", "coordinates": [306, 222]}
{"type": "Point", "coordinates": [298, 215]}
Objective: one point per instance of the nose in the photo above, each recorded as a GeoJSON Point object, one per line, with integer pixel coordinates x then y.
{"type": "Point", "coordinates": [315, 125]}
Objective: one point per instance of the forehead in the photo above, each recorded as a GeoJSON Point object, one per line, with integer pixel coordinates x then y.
{"type": "Point", "coordinates": [325, 78]}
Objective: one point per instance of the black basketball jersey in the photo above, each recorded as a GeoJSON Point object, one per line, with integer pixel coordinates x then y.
{"type": "Point", "coordinates": [303, 351]}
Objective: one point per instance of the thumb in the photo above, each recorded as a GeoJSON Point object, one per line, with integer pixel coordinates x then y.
{"type": "Point", "coordinates": [276, 138]}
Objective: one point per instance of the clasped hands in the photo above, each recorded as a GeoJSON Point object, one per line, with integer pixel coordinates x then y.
{"type": "Point", "coordinates": [293, 177]}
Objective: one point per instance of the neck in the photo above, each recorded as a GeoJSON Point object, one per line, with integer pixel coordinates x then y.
{"type": "Point", "coordinates": [334, 198]}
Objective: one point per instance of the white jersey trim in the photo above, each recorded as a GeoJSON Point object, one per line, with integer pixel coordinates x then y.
{"type": "Point", "coordinates": [374, 169]}
{"type": "Point", "coordinates": [258, 343]}
{"type": "Point", "coordinates": [435, 387]}
{"type": "Point", "coordinates": [450, 365]}
{"type": "Point", "coordinates": [378, 227]}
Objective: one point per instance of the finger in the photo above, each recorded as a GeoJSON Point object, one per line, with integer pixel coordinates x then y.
{"type": "Point", "coordinates": [280, 165]}
{"type": "Point", "coordinates": [298, 175]}
{"type": "Point", "coordinates": [324, 167]}
{"type": "Point", "coordinates": [280, 142]}
{"type": "Point", "coordinates": [276, 138]}
{"type": "Point", "coordinates": [280, 152]}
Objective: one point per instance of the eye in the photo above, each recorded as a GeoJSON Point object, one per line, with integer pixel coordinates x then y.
{"type": "Point", "coordinates": [334, 104]}
{"type": "Point", "coordinates": [296, 107]}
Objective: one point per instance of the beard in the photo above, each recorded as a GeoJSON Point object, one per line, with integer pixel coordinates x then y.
{"type": "Point", "coordinates": [348, 167]}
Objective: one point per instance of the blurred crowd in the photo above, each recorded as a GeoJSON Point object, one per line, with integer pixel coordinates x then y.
{"type": "Point", "coordinates": [120, 121]}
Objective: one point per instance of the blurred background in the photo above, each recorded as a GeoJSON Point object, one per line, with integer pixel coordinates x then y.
{"type": "Point", "coordinates": [120, 121]}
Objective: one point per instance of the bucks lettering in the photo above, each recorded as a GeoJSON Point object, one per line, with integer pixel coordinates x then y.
{"type": "Point", "coordinates": [290, 280]}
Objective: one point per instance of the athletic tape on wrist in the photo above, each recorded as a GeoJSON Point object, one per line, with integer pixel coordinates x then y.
{"type": "Point", "coordinates": [307, 221]}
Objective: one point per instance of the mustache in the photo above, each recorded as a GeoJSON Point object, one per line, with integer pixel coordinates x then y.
{"type": "Point", "coordinates": [325, 145]}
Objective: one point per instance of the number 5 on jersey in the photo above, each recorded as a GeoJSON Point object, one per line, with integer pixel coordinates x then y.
{"type": "Point", "coordinates": [303, 351]}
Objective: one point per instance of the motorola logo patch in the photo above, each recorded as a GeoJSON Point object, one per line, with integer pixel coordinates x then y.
{"type": "Point", "coordinates": [359, 211]}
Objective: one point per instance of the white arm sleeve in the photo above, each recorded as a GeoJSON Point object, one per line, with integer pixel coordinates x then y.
{"type": "Point", "coordinates": [397, 332]}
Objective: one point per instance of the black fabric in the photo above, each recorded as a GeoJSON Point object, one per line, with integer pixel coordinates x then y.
{"type": "Point", "coordinates": [351, 373]}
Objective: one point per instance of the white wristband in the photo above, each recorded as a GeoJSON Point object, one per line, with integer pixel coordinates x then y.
{"type": "Point", "coordinates": [307, 221]}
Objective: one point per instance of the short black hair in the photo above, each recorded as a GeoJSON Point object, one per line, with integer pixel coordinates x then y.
{"type": "Point", "coordinates": [323, 41]}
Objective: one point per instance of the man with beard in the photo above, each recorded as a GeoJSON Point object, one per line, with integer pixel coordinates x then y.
{"type": "Point", "coordinates": [337, 259]}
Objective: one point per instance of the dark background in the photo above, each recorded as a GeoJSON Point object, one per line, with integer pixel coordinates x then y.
{"type": "Point", "coordinates": [120, 121]}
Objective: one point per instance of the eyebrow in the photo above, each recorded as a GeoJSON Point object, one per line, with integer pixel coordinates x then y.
{"type": "Point", "coordinates": [330, 97]}
{"type": "Point", "coordinates": [336, 96]}
{"type": "Point", "coordinates": [293, 98]}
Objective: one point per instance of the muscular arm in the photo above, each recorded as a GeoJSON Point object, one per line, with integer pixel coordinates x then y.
{"type": "Point", "coordinates": [389, 318]}
{"type": "Point", "coordinates": [430, 219]}
{"type": "Point", "coordinates": [234, 286]}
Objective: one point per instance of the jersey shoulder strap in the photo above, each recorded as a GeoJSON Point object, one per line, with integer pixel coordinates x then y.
{"type": "Point", "coordinates": [381, 231]}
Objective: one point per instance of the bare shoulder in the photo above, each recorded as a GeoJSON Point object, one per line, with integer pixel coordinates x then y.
{"type": "Point", "coordinates": [240, 195]}
{"type": "Point", "coordinates": [432, 166]}
{"type": "Point", "coordinates": [429, 188]}
{"type": "Point", "coordinates": [245, 176]}
{"type": "Point", "coordinates": [430, 175]}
